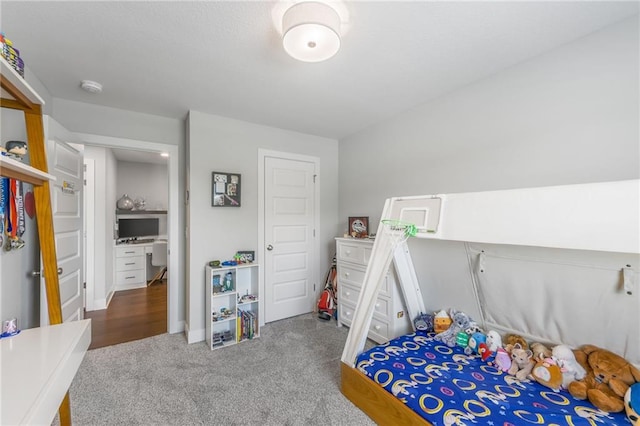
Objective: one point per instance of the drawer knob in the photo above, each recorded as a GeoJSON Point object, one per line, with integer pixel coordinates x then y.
{"type": "Point", "coordinates": [346, 274]}
{"type": "Point", "coordinates": [377, 305]}
{"type": "Point", "coordinates": [377, 327]}
{"type": "Point", "coordinates": [348, 294]}
{"type": "Point", "coordinates": [348, 251]}
{"type": "Point", "coordinates": [348, 313]}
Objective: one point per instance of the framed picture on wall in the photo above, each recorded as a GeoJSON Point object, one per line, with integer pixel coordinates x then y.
{"type": "Point", "coordinates": [225, 189]}
{"type": "Point", "coordinates": [359, 226]}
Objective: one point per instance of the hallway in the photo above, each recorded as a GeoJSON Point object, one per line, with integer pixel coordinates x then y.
{"type": "Point", "coordinates": [132, 315]}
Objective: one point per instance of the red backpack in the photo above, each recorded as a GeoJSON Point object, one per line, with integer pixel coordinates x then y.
{"type": "Point", "coordinates": [328, 298]}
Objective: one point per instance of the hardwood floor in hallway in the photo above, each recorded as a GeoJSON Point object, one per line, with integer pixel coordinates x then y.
{"type": "Point", "coordinates": [131, 315]}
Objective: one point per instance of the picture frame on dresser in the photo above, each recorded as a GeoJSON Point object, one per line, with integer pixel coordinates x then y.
{"type": "Point", "coordinates": [359, 226]}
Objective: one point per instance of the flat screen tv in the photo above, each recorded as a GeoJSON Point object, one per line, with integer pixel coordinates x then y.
{"type": "Point", "coordinates": [138, 227]}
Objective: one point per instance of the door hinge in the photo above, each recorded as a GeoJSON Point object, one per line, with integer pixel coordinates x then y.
{"type": "Point", "coordinates": [314, 286]}
{"type": "Point", "coordinates": [84, 285]}
{"type": "Point", "coordinates": [314, 232]}
{"type": "Point", "coordinates": [314, 178]}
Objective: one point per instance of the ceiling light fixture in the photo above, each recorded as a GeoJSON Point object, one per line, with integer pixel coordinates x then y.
{"type": "Point", "coordinates": [91, 86]}
{"type": "Point", "coordinates": [311, 31]}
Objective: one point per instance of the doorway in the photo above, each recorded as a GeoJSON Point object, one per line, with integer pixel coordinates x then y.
{"type": "Point", "coordinates": [288, 229]}
{"type": "Point", "coordinates": [174, 286]}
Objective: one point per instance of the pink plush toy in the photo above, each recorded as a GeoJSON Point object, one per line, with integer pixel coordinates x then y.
{"type": "Point", "coordinates": [503, 360]}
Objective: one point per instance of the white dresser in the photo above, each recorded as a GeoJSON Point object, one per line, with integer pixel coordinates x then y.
{"type": "Point", "coordinates": [390, 317]}
{"type": "Point", "coordinates": [131, 265]}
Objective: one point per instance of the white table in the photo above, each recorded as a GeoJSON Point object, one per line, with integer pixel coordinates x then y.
{"type": "Point", "coordinates": [37, 368]}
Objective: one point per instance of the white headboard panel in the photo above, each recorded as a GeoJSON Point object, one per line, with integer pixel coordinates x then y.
{"type": "Point", "coordinates": [597, 216]}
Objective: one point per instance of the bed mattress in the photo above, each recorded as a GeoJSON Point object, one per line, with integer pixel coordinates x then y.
{"type": "Point", "coordinates": [447, 387]}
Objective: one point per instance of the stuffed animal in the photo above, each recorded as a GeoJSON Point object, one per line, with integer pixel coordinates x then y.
{"type": "Point", "coordinates": [460, 321]}
{"type": "Point", "coordinates": [502, 360]}
{"type": "Point", "coordinates": [540, 351]}
{"type": "Point", "coordinates": [511, 339]}
{"type": "Point", "coordinates": [547, 373]}
{"type": "Point", "coordinates": [608, 378]}
{"type": "Point", "coordinates": [566, 360]}
{"type": "Point", "coordinates": [441, 321]}
{"type": "Point", "coordinates": [632, 404]}
{"type": "Point", "coordinates": [487, 350]}
{"type": "Point", "coordinates": [424, 322]}
{"type": "Point", "coordinates": [474, 341]}
{"type": "Point", "coordinates": [494, 341]}
{"type": "Point", "coordinates": [462, 339]}
{"type": "Point", "coordinates": [521, 362]}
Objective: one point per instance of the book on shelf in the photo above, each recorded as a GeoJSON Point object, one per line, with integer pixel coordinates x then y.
{"type": "Point", "coordinates": [248, 324]}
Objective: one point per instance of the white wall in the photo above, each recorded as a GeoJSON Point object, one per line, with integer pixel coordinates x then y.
{"type": "Point", "coordinates": [19, 292]}
{"type": "Point", "coordinates": [223, 144]}
{"type": "Point", "coordinates": [126, 125]}
{"type": "Point", "coordinates": [104, 220]}
{"type": "Point", "coordinates": [149, 181]}
{"type": "Point", "coordinates": [568, 116]}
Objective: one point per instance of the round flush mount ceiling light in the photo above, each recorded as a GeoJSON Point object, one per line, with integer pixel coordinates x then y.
{"type": "Point", "coordinates": [311, 31]}
{"type": "Point", "coordinates": [91, 86]}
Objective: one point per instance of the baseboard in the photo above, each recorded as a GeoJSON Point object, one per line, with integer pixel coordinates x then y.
{"type": "Point", "coordinates": [130, 286]}
{"type": "Point", "coordinates": [194, 336]}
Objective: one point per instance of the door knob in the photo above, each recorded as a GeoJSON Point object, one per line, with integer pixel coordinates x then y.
{"type": "Point", "coordinates": [269, 247]}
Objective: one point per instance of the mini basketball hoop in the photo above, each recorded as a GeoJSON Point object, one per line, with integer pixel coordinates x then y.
{"type": "Point", "coordinates": [399, 231]}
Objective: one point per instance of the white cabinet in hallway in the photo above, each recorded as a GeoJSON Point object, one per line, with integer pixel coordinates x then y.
{"type": "Point", "coordinates": [131, 265]}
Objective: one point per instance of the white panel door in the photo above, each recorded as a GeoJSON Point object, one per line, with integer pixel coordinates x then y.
{"type": "Point", "coordinates": [66, 163]}
{"type": "Point", "coordinates": [289, 237]}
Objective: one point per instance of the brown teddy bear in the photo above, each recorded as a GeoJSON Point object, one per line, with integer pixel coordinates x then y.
{"type": "Point", "coordinates": [608, 378]}
{"type": "Point", "coordinates": [511, 339]}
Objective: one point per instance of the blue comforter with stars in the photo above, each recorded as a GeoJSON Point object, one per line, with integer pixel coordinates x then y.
{"type": "Point", "coordinates": [447, 387]}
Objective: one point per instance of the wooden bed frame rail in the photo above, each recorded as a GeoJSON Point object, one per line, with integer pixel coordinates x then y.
{"type": "Point", "coordinates": [375, 401]}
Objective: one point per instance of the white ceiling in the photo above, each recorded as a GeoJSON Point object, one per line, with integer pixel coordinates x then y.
{"type": "Point", "coordinates": [134, 156]}
{"type": "Point", "coordinates": [226, 58]}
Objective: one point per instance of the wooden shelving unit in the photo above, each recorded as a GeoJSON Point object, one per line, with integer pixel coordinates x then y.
{"type": "Point", "coordinates": [17, 170]}
{"type": "Point", "coordinates": [19, 95]}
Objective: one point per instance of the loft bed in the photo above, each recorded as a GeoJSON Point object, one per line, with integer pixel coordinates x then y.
{"type": "Point", "coordinates": [597, 220]}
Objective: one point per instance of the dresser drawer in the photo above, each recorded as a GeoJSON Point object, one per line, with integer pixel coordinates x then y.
{"type": "Point", "coordinates": [353, 253]}
{"type": "Point", "coordinates": [381, 309]}
{"type": "Point", "coordinates": [379, 331]}
{"type": "Point", "coordinates": [355, 277]}
{"type": "Point", "coordinates": [125, 251]}
{"type": "Point", "coordinates": [345, 313]}
{"type": "Point", "coordinates": [130, 277]}
{"type": "Point", "coordinates": [130, 263]}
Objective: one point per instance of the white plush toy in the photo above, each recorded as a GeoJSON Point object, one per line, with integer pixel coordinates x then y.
{"type": "Point", "coordinates": [494, 341]}
{"type": "Point", "coordinates": [566, 360]}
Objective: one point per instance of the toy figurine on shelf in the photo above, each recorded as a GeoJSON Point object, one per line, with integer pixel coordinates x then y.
{"type": "Point", "coordinates": [228, 282]}
{"type": "Point", "coordinates": [16, 149]}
